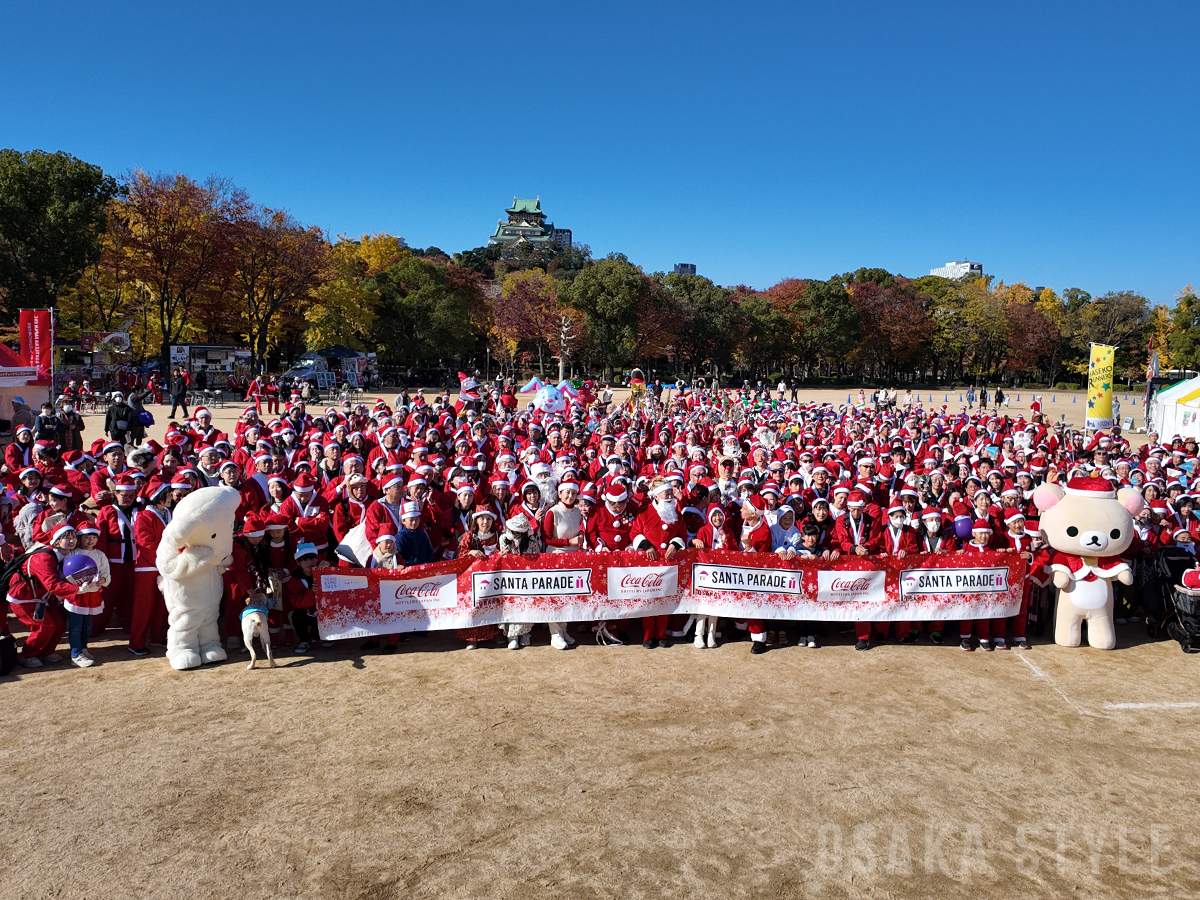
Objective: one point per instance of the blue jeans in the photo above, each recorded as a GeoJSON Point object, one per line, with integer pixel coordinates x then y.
{"type": "Point", "coordinates": [79, 629]}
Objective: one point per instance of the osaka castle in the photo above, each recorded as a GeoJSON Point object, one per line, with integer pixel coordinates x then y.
{"type": "Point", "coordinates": [527, 225]}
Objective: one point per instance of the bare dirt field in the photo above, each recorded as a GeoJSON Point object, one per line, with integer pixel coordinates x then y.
{"type": "Point", "coordinates": [441, 772]}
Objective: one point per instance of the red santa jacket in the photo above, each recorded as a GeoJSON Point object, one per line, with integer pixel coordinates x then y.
{"type": "Point", "coordinates": [650, 532]}
{"type": "Point", "coordinates": [116, 534]}
{"type": "Point", "coordinates": [148, 530]}
{"type": "Point", "coordinates": [40, 579]}
{"type": "Point", "coordinates": [867, 534]}
{"type": "Point", "coordinates": [609, 530]}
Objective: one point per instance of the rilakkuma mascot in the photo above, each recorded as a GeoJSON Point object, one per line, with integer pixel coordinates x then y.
{"type": "Point", "coordinates": [196, 548]}
{"type": "Point", "coordinates": [1089, 526]}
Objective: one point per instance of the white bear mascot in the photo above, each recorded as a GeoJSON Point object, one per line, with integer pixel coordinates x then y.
{"type": "Point", "coordinates": [196, 548]}
{"type": "Point", "coordinates": [1089, 524]}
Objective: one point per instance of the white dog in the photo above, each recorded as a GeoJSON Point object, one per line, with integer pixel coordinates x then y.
{"type": "Point", "coordinates": [254, 622]}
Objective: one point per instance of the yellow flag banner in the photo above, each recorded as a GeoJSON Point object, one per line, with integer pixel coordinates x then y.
{"type": "Point", "coordinates": [1100, 387]}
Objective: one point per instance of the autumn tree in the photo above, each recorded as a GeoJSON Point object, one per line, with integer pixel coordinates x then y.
{"type": "Point", "coordinates": [892, 322]}
{"type": "Point", "coordinates": [279, 264]}
{"type": "Point", "coordinates": [527, 310]}
{"type": "Point", "coordinates": [346, 302]}
{"type": "Point", "coordinates": [181, 244]}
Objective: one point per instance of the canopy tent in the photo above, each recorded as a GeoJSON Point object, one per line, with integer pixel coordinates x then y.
{"type": "Point", "coordinates": [1176, 410]}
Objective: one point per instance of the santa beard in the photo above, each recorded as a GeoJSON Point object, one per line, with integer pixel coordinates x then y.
{"type": "Point", "coordinates": [667, 511]}
{"type": "Point", "coordinates": [548, 485]}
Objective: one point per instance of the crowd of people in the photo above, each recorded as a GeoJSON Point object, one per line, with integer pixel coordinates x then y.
{"type": "Point", "coordinates": [475, 475]}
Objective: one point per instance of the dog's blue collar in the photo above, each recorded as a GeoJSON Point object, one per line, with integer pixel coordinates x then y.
{"type": "Point", "coordinates": [253, 609]}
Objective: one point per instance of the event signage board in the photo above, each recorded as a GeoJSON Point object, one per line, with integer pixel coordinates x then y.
{"type": "Point", "coordinates": [572, 587]}
{"type": "Point", "coordinates": [1100, 387]}
{"type": "Point", "coordinates": [37, 342]}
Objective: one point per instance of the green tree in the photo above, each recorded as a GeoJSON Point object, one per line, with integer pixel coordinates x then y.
{"type": "Point", "coordinates": [610, 293]}
{"type": "Point", "coordinates": [1184, 340]}
{"type": "Point", "coordinates": [423, 316]}
{"type": "Point", "coordinates": [52, 219]}
{"type": "Point", "coordinates": [710, 322]}
{"type": "Point", "coordinates": [828, 322]}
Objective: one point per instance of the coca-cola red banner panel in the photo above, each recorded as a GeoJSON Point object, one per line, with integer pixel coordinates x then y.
{"type": "Point", "coordinates": [586, 587]}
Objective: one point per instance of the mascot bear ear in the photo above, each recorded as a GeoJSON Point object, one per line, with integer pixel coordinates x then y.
{"type": "Point", "coordinates": [1047, 496]}
{"type": "Point", "coordinates": [1132, 500]}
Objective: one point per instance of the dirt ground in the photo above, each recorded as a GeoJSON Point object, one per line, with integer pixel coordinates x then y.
{"type": "Point", "coordinates": [902, 772]}
{"type": "Point", "coordinates": [625, 773]}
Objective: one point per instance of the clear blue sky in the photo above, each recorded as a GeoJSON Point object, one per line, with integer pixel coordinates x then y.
{"type": "Point", "coordinates": [1055, 142]}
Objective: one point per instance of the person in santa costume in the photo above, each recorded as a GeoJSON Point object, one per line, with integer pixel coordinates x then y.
{"type": "Point", "coordinates": [755, 538]}
{"type": "Point", "coordinates": [149, 615]}
{"type": "Point", "coordinates": [981, 542]}
{"type": "Point", "coordinates": [482, 541]}
{"type": "Point", "coordinates": [115, 522]}
{"type": "Point", "coordinates": [859, 533]}
{"type": "Point", "coordinates": [562, 532]}
{"type": "Point", "coordinates": [658, 531]}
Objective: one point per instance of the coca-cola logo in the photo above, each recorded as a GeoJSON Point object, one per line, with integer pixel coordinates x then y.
{"type": "Point", "coordinates": [850, 585]}
{"type": "Point", "coordinates": [649, 580]}
{"type": "Point", "coordinates": [425, 591]}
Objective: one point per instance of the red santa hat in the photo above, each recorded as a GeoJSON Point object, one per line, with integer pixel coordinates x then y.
{"type": "Point", "coordinates": [981, 525]}
{"type": "Point", "coordinates": [1091, 486]}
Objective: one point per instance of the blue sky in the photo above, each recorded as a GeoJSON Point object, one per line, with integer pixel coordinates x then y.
{"type": "Point", "coordinates": [1055, 142]}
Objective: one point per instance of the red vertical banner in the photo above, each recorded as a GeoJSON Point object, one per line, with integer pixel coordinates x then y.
{"type": "Point", "coordinates": [37, 341]}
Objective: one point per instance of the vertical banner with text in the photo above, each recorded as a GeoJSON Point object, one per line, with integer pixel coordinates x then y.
{"type": "Point", "coordinates": [1100, 387]}
{"type": "Point", "coordinates": [37, 341]}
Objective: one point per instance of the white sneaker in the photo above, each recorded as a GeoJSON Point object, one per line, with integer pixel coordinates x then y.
{"type": "Point", "coordinates": [712, 641]}
{"type": "Point", "coordinates": [558, 642]}
{"type": "Point", "coordinates": [471, 646]}
{"type": "Point", "coordinates": [514, 644]}
{"type": "Point", "coordinates": [88, 653]}
{"type": "Point", "coordinates": [525, 640]}
{"type": "Point", "coordinates": [52, 658]}
{"type": "Point", "coordinates": [31, 662]}
{"type": "Point", "coordinates": [699, 642]}
{"type": "Point", "coordinates": [302, 647]}
{"type": "Point", "coordinates": [82, 661]}
{"type": "Point", "coordinates": [568, 638]}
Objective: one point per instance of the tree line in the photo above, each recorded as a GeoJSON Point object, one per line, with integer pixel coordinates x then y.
{"type": "Point", "coordinates": [173, 260]}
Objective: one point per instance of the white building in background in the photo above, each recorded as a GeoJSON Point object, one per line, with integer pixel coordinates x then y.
{"type": "Point", "coordinates": [958, 269]}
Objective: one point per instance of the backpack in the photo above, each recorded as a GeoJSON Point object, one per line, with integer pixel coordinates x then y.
{"type": "Point", "coordinates": [14, 568]}
{"type": "Point", "coordinates": [8, 653]}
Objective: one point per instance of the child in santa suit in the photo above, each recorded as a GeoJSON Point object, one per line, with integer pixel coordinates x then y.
{"type": "Point", "coordinates": [658, 531]}
{"type": "Point", "coordinates": [1017, 540]}
{"type": "Point", "coordinates": [149, 614]}
{"type": "Point", "coordinates": [933, 539]}
{"type": "Point", "coordinates": [36, 597]}
{"type": "Point", "coordinates": [981, 542]}
{"type": "Point", "coordinates": [301, 598]}
{"type": "Point", "coordinates": [755, 538]}
{"type": "Point", "coordinates": [714, 534]}
{"type": "Point", "coordinates": [899, 540]}
{"type": "Point", "coordinates": [89, 601]}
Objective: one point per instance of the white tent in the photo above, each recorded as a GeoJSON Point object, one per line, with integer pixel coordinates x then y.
{"type": "Point", "coordinates": [1176, 410]}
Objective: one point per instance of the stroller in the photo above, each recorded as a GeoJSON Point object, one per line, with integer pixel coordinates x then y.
{"type": "Point", "coordinates": [1181, 609]}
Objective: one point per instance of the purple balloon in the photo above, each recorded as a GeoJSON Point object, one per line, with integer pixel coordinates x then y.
{"type": "Point", "coordinates": [962, 527]}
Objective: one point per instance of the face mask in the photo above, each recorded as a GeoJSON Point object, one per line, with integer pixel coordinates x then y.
{"type": "Point", "coordinates": [933, 526]}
